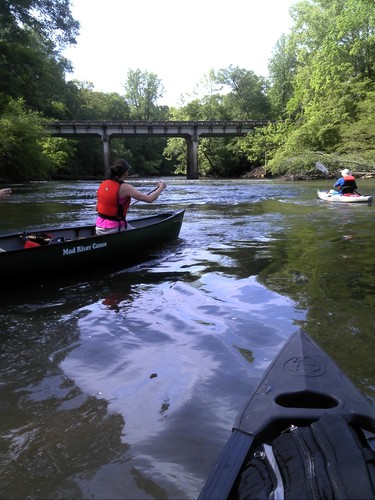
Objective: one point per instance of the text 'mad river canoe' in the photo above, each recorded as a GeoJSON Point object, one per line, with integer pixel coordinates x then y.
{"type": "Point", "coordinates": [63, 251]}
{"type": "Point", "coordinates": [305, 433]}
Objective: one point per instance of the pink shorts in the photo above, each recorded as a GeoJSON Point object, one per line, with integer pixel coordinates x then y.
{"type": "Point", "coordinates": [106, 226]}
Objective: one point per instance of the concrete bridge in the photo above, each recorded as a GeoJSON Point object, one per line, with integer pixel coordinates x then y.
{"type": "Point", "coordinates": [191, 131]}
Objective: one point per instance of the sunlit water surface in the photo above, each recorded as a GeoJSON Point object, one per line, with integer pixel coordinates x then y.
{"type": "Point", "coordinates": [126, 384]}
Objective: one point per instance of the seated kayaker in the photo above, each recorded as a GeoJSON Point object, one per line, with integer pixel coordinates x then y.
{"type": "Point", "coordinates": [114, 196]}
{"type": "Point", "coordinates": [346, 184]}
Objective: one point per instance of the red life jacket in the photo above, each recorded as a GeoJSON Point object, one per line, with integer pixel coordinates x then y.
{"type": "Point", "coordinates": [108, 205]}
{"type": "Point", "coordinates": [349, 184]}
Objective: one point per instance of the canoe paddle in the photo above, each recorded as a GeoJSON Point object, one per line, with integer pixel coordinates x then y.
{"type": "Point", "coordinates": [136, 201]}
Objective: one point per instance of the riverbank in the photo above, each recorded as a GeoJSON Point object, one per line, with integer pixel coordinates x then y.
{"type": "Point", "coordinates": [262, 173]}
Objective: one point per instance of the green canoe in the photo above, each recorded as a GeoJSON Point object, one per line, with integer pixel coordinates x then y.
{"type": "Point", "coordinates": [61, 251]}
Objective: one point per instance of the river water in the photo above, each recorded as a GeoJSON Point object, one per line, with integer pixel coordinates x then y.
{"type": "Point", "coordinates": [126, 385]}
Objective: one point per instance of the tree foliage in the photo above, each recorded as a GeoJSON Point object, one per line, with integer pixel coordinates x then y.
{"type": "Point", "coordinates": [142, 90]}
{"type": "Point", "coordinates": [50, 19]}
{"type": "Point", "coordinates": [319, 98]}
{"type": "Point", "coordinates": [331, 54]}
{"type": "Point", "coordinates": [234, 94]}
{"type": "Point", "coordinates": [282, 68]}
{"type": "Point", "coordinates": [26, 151]}
{"type": "Point", "coordinates": [32, 36]}
{"type": "Point", "coordinates": [248, 93]}
{"type": "Point", "coordinates": [32, 84]}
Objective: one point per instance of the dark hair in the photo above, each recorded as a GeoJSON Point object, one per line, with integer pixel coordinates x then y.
{"type": "Point", "coordinates": [118, 168]}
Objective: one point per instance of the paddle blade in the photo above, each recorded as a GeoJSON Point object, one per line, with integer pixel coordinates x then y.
{"type": "Point", "coordinates": [321, 167]}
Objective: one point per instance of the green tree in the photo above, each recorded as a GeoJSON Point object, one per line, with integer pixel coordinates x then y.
{"type": "Point", "coordinates": [32, 85]}
{"type": "Point", "coordinates": [29, 70]}
{"type": "Point", "coordinates": [282, 68]}
{"type": "Point", "coordinates": [247, 96]}
{"type": "Point", "coordinates": [142, 91]}
{"type": "Point", "coordinates": [87, 104]}
{"type": "Point", "coordinates": [32, 35]}
{"type": "Point", "coordinates": [26, 150]}
{"type": "Point", "coordinates": [51, 19]}
{"type": "Point", "coordinates": [260, 147]}
{"type": "Point", "coordinates": [357, 143]}
{"type": "Point", "coordinates": [331, 50]}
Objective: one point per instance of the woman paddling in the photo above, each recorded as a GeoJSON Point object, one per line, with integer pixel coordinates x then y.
{"type": "Point", "coordinates": [114, 196]}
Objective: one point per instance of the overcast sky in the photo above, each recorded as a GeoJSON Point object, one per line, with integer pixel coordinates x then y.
{"type": "Point", "coordinates": [179, 41]}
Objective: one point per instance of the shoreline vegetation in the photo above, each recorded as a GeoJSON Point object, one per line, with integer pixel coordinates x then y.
{"type": "Point", "coordinates": [262, 173]}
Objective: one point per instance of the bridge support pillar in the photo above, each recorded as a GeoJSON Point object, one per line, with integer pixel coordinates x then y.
{"type": "Point", "coordinates": [106, 155]}
{"type": "Point", "coordinates": [192, 157]}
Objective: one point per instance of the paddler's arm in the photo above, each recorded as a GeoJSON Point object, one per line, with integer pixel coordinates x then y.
{"type": "Point", "coordinates": [128, 190]}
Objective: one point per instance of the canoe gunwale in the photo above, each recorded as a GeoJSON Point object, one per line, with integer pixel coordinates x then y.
{"type": "Point", "coordinates": [91, 227]}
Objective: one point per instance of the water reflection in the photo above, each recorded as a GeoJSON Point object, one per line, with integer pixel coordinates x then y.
{"type": "Point", "coordinates": [164, 352]}
{"type": "Point", "coordinates": [50, 429]}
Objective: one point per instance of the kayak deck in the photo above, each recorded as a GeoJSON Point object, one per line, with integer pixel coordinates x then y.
{"type": "Point", "coordinates": [343, 198]}
{"type": "Point", "coordinates": [300, 386]}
